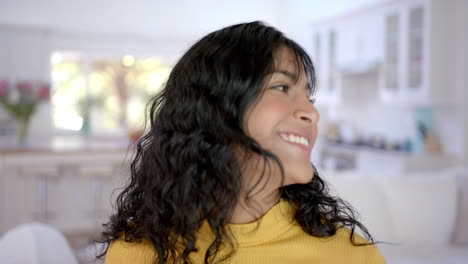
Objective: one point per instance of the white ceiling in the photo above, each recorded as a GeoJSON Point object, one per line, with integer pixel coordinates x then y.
{"type": "Point", "coordinates": [154, 18]}
{"type": "Point", "coordinates": [169, 19]}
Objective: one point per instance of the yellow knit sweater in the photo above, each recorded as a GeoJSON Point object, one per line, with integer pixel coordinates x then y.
{"type": "Point", "coordinates": [275, 238]}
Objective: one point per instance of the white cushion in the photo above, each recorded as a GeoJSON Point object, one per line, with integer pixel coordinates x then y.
{"type": "Point", "coordinates": [461, 226]}
{"type": "Point", "coordinates": [424, 254]}
{"type": "Point", "coordinates": [365, 196]}
{"type": "Point", "coordinates": [35, 243]}
{"type": "Point", "coordinates": [423, 207]}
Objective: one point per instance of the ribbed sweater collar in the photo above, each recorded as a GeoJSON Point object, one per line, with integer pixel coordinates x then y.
{"type": "Point", "coordinates": [278, 220]}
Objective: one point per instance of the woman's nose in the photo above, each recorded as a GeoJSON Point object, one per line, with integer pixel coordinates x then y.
{"type": "Point", "coordinates": [307, 112]}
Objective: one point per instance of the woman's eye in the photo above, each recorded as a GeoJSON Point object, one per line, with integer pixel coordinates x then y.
{"type": "Point", "coordinates": [283, 88]}
{"type": "Point", "coordinates": [312, 100]}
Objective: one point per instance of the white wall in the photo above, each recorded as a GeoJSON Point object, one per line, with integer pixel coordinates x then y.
{"type": "Point", "coordinates": [115, 45]}
{"type": "Point", "coordinates": [461, 73]}
{"type": "Point", "coordinates": [31, 30]}
{"type": "Point", "coordinates": [296, 16]}
{"type": "Point", "coordinates": [24, 51]}
{"type": "Point", "coordinates": [151, 18]}
{"type": "Point", "coordinates": [24, 54]}
{"type": "Point", "coordinates": [179, 19]}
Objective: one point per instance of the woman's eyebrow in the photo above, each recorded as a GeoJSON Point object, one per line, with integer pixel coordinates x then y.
{"type": "Point", "coordinates": [288, 74]}
{"type": "Point", "coordinates": [293, 77]}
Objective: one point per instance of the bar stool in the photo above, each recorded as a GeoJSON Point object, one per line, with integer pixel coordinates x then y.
{"type": "Point", "coordinates": [98, 173]}
{"type": "Point", "coordinates": [44, 174]}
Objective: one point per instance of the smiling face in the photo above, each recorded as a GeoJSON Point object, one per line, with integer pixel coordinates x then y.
{"type": "Point", "coordinates": [284, 121]}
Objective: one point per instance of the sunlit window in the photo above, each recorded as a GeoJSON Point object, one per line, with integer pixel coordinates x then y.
{"type": "Point", "coordinates": [103, 95]}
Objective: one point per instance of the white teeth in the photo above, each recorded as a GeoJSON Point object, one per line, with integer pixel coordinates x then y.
{"type": "Point", "coordinates": [295, 139]}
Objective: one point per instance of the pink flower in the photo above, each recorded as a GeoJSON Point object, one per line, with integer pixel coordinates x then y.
{"type": "Point", "coordinates": [44, 91]}
{"type": "Point", "coordinates": [24, 87]}
{"type": "Point", "coordinates": [3, 88]}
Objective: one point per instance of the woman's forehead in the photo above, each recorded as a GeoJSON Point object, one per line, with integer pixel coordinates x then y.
{"type": "Point", "coordinates": [285, 59]}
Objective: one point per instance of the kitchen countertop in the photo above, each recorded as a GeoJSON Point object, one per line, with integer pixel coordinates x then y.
{"type": "Point", "coordinates": [66, 145]}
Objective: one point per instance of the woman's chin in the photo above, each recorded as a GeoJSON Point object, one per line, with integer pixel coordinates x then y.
{"type": "Point", "coordinates": [299, 176]}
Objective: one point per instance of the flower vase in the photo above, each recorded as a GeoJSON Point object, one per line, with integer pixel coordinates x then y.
{"type": "Point", "coordinates": [22, 131]}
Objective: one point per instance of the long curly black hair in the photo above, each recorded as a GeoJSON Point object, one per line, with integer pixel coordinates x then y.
{"type": "Point", "coordinates": [187, 171]}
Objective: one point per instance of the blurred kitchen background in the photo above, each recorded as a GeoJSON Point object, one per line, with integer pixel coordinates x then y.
{"type": "Point", "coordinates": [75, 77]}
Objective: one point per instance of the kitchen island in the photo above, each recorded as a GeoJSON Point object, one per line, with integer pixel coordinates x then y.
{"type": "Point", "coordinates": [69, 183]}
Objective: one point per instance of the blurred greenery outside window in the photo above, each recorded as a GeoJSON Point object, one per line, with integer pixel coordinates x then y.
{"type": "Point", "coordinates": [103, 96]}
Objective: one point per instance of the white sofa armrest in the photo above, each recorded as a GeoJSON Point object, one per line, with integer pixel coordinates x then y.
{"type": "Point", "coordinates": [367, 198]}
{"type": "Point", "coordinates": [423, 207]}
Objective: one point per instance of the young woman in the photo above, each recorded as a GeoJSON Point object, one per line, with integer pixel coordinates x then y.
{"type": "Point", "coordinates": [224, 173]}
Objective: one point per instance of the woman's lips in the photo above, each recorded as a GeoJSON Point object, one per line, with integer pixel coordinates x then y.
{"type": "Point", "coordinates": [296, 139]}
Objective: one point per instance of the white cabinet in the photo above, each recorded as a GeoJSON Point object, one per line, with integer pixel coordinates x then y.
{"type": "Point", "coordinates": [324, 59]}
{"type": "Point", "coordinates": [408, 47]}
{"type": "Point", "coordinates": [357, 42]}
{"type": "Point", "coordinates": [345, 47]}
{"type": "Point", "coordinates": [418, 53]}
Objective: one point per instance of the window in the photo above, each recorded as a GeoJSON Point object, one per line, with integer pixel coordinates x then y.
{"type": "Point", "coordinates": [97, 96]}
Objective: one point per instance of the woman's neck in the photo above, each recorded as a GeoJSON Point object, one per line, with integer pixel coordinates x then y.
{"type": "Point", "coordinates": [251, 209]}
